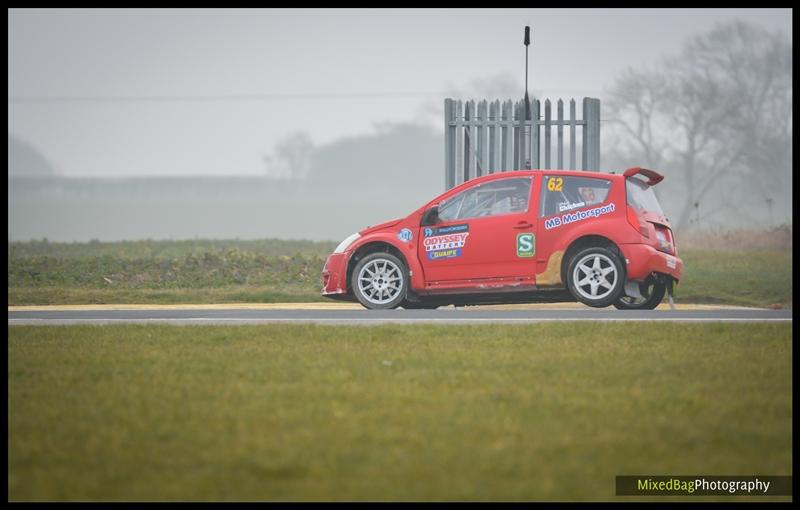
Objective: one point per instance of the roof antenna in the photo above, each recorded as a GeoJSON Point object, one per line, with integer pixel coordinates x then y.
{"type": "Point", "coordinates": [527, 101]}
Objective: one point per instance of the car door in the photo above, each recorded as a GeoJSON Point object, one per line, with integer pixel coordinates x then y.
{"type": "Point", "coordinates": [564, 200]}
{"type": "Point", "coordinates": [485, 233]}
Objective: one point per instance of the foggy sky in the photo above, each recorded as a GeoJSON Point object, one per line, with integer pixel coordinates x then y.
{"type": "Point", "coordinates": [360, 57]}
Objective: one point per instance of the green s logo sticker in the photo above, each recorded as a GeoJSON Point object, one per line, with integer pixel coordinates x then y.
{"type": "Point", "coordinates": [526, 245]}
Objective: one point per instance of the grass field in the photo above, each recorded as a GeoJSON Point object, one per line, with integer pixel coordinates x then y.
{"type": "Point", "coordinates": [272, 270]}
{"type": "Point", "coordinates": [750, 278]}
{"type": "Point", "coordinates": [279, 412]}
{"type": "Point", "coordinates": [198, 271]}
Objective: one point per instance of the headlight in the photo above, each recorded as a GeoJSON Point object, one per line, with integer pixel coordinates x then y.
{"type": "Point", "coordinates": [347, 242]}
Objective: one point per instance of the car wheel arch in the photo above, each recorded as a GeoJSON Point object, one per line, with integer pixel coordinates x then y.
{"type": "Point", "coordinates": [372, 247]}
{"type": "Point", "coordinates": [586, 241]}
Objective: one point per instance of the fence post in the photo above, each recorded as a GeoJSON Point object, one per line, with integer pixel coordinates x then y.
{"type": "Point", "coordinates": [535, 134]}
{"type": "Point", "coordinates": [560, 138]}
{"type": "Point", "coordinates": [467, 143]}
{"type": "Point", "coordinates": [522, 141]}
{"type": "Point", "coordinates": [471, 171]}
{"type": "Point", "coordinates": [481, 134]}
{"type": "Point", "coordinates": [493, 123]}
{"type": "Point", "coordinates": [547, 122]}
{"type": "Point", "coordinates": [572, 141]}
{"type": "Point", "coordinates": [508, 136]}
{"type": "Point", "coordinates": [517, 134]}
{"type": "Point", "coordinates": [449, 145]}
{"type": "Point", "coordinates": [459, 149]}
{"type": "Point", "coordinates": [591, 134]}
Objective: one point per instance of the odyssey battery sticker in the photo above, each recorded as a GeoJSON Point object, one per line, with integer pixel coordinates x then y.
{"type": "Point", "coordinates": [445, 242]}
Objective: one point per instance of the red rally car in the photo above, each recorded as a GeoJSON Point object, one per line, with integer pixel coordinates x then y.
{"type": "Point", "coordinates": [512, 237]}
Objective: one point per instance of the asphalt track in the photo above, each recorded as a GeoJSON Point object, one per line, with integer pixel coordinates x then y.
{"type": "Point", "coordinates": [233, 315]}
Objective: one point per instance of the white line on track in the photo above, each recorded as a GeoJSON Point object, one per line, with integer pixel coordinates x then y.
{"type": "Point", "coordinates": [389, 320]}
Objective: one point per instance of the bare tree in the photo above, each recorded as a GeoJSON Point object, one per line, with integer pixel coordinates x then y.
{"type": "Point", "coordinates": [636, 103]}
{"type": "Point", "coordinates": [291, 157]}
{"type": "Point", "coordinates": [717, 115]}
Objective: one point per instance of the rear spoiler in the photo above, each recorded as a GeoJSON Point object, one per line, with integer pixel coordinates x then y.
{"type": "Point", "coordinates": [654, 177]}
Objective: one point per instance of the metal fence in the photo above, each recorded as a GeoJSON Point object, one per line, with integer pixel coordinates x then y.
{"type": "Point", "coordinates": [495, 137]}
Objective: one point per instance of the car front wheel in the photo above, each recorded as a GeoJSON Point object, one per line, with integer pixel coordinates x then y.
{"type": "Point", "coordinates": [596, 276]}
{"type": "Point", "coordinates": [380, 281]}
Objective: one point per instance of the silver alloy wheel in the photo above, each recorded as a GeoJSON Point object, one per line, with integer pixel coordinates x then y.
{"type": "Point", "coordinates": [380, 281]}
{"type": "Point", "coordinates": [595, 276]}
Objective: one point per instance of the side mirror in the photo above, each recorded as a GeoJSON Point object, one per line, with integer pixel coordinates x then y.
{"type": "Point", "coordinates": [431, 216]}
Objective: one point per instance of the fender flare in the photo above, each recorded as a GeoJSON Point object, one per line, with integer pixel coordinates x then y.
{"type": "Point", "coordinates": [407, 251]}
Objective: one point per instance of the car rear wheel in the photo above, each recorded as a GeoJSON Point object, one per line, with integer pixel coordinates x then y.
{"type": "Point", "coordinates": [652, 293]}
{"type": "Point", "coordinates": [379, 281]}
{"type": "Point", "coordinates": [596, 276]}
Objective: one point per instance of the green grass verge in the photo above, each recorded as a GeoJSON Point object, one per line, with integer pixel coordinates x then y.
{"type": "Point", "coordinates": [747, 278]}
{"type": "Point", "coordinates": [304, 412]}
{"type": "Point", "coordinates": [167, 249]}
{"type": "Point", "coordinates": [233, 294]}
{"type": "Point", "coordinates": [199, 271]}
{"type": "Point", "coordinates": [273, 270]}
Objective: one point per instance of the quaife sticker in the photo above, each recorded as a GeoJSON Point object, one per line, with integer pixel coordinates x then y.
{"type": "Point", "coordinates": [526, 245]}
{"type": "Point", "coordinates": [405, 235]}
{"type": "Point", "coordinates": [446, 246]}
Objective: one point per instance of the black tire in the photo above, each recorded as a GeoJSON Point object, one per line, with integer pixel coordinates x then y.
{"type": "Point", "coordinates": [592, 284]}
{"type": "Point", "coordinates": [377, 291]}
{"type": "Point", "coordinates": [653, 293]}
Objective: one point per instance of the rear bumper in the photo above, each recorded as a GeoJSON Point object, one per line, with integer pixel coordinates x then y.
{"type": "Point", "coordinates": [334, 275]}
{"type": "Point", "coordinates": [642, 260]}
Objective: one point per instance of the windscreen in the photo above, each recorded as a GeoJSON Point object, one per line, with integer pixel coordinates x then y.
{"type": "Point", "coordinates": [641, 196]}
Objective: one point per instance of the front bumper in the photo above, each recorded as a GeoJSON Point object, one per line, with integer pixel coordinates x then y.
{"type": "Point", "coordinates": [643, 259]}
{"type": "Point", "coordinates": [334, 275]}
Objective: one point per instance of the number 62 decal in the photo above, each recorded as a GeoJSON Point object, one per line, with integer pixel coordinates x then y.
{"type": "Point", "coordinates": [555, 184]}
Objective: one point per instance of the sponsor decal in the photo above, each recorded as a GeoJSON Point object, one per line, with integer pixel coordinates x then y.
{"type": "Point", "coordinates": [671, 262]}
{"type": "Point", "coordinates": [445, 246]}
{"type": "Point", "coordinates": [526, 244]}
{"type": "Point", "coordinates": [450, 229]}
{"type": "Point", "coordinates": [553, 222]}
{"type": "Point", "coordinates": [555, 184]}
{"type": "Point", "coordinates": [568, 218]}
{"type": "Point", "coordinates": [405, 235]}
{"type": "Point", "coordinates": [444, 254]}
{"type": "Point", "coordinates": [566, 206]}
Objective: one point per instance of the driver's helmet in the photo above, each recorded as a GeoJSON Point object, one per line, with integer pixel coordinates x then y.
{"type": "Point", "coordinates": [587, 195]}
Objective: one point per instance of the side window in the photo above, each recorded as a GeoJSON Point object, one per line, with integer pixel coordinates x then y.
{"type": "Point", "coordinates": [561, 193]}
{"type": "Point", "coordinates": [504, 196]}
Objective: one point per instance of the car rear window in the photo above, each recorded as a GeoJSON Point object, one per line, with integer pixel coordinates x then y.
{"type": "Point", "coordinates": [561, 193]}
{"type": "Point", "coordinates": [641, 196]}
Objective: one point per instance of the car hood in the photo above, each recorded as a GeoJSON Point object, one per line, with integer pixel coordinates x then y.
{"type": "Point", "coordinates": [380, 226]}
